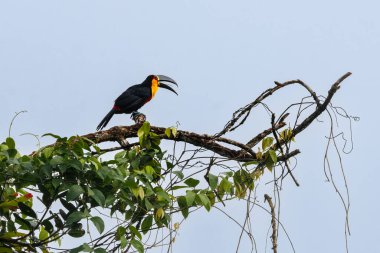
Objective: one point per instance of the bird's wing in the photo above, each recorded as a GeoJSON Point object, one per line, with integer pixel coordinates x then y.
{"type": "Point", "coordinates": [132, 99]}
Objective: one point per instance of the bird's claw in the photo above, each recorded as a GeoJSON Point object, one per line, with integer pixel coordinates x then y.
{"type": "Point", "coordinates": [138, 117]}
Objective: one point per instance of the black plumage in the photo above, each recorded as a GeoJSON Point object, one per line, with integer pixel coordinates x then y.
{"type": "Point", "coordinates": [136, 96]}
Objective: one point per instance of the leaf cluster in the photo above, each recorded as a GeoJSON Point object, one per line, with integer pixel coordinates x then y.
{"type": "Point", "coordinates": [71, 180]}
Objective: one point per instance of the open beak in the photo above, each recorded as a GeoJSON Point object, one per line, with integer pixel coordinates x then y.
{"type": "Point", "coordinates": [162, 78]}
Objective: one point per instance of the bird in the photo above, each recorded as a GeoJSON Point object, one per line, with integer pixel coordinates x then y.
{"type": "Point", "coordinates": [131, 100]}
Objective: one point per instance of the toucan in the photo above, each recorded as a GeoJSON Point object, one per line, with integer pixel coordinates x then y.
{"type": "Point", "coordinates": [136, 96]}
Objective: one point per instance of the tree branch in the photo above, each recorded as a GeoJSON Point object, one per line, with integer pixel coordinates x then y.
{"type": "Point", "coordinates": [274, 226]}
{"type": "Point", "coordinates": [215, 143]}
{"type": "Point", "coordinates": [318, 111]}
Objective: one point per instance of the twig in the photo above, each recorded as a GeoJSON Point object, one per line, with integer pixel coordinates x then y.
{"type": "Point", "coordinates": [282, 150]}
{"type": "Point", "coordinates": [264, 133]}
{"type": "Point", "coordinates": [274, 226]}
{"type": "Point", "coordinates": [312, 93]}
{"type": "Point", "coordinates": [321, 108]}
{"type": "Point", "coordinates": [106, 150]}
{"type": "Point", "coordinates": [212, 160]}
{"type": "Point", "coordinates": [13, 119]}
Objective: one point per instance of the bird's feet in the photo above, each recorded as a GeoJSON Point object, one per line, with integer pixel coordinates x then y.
{"type": "Point", "coordinates": [138, 117]}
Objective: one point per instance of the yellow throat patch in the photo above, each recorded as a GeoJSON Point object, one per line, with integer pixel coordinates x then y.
{"type": "Point", "coordinates": [154, 87]}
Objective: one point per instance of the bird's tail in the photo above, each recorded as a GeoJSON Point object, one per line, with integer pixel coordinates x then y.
{"type": "Point", "coordinates": [105, 121]}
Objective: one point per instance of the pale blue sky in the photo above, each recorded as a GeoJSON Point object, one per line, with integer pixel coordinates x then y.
{"type": "Point", "coordinates": [66, 61]}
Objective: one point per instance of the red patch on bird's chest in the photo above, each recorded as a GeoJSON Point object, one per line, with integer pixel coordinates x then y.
{"type": "Point", "coordinates": [116, 108]}
{"type": "Point", "coordinates": [150, 98]}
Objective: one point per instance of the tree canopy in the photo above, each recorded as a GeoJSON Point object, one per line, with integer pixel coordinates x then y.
{"type": "Point", "coordinates": [130, 191]}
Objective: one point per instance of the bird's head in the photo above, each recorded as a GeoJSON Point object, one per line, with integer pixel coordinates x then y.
{"type": "Point", "coordinates": [155, 81]}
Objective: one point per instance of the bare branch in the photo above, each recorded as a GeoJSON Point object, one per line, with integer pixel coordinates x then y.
{"type": "Point", "coordinates": [321, 108]}
{"type": "Point", "coordinates": [245, 111]}
{"type": "Point", "coordinates": [263, 134]}
{"type": "Point", "coordinates": [274, 226]}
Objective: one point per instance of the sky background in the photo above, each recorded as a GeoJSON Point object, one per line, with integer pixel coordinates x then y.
{"type": "Point", "coordinates": [66, 61]}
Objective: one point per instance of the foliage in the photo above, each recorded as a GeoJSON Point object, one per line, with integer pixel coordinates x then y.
{"type": "Point", "coordinates": [71, 179]}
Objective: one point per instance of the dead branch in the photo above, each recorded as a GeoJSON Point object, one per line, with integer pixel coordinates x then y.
{"type": "Point", "coordinates": [245, 111]}
{"type": "Point", "coordinates": [263, 134]}
{"type": "Point", "coordinates": [274, 226]}
{"type": "Point", "coordinates": [318, 111]}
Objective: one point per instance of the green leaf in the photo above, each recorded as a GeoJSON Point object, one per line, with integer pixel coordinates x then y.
{"type": "Point", "coordinates": [137, 245]}
{"type": "Point", "coordinates": [148, 205]}
{"type": "Point", "coordinates": [98, 196]}
{"type": "Point", "coordinates": [143, 131]}
{"type": "Point", "coordinates": [167, 132]}
{"type": "Point", "coordinates": [267, 142]}
{"type": "Point", "coordinates": [47, 152]}
{"type": "Point", "coordinates": [26, 210]}
{"type": "Point", "coordinates": [123, 242]}
{"type": "Point", "coordinates": [100, 250]}
{"type": "Point", "coordinates": [146, 127]}
{"type": "Point", "coordinates": [11, 226]}
{"type": "Point", "coordinates": [109, 200]}
{"type": "Point", "coordinates": [25, 224]}
{"type": "Point", "coordinates": [141, 193]}
{"type": "Point", "coordinates": [58, 222]}
{"type": "Point", "coordinates": [269, 165]}
{"type": "Point", "coordinates": [176, 187]}
{"type": "Point", "coordinates": [273, 156]}
{"type": "Point", "coordinates": [70, 207]}
{"type": "Point", "coordinates": [149, 170]}
{"type": "Point", "coordinates": [84, 247]}
{"type": "Point", "coordinates": [74, 164]}
{"type": "Point", "coordinates": [48, 226]}
{"type": "Point", "coordinates": [147, 224]}
{"type": "Point", "coordinates": [191, 182]}
{"type": "Point", "coordinates": [76, 230]}
{"type": "Point", "coordinates": [6, 250]}
{"type": "Point", "coordinates": [190, 196]}
{"type": "Point", "coordinates": [179, 174]}
{"type": "Point", "coordinates": [43, 234]}
{"type": "Point", "coordinates": [75, 217]}
{"type": "Point", "coordinates": [135, 192]}
{"type": "Point", "coordinates": [55, 182]}
{"type": "Point", "coordinates": [120, 232]}
{"type": "Point", "coordinates": [160, 213]}
{"type": "Point", "coordinates": [182, 203]}
{"type": "Point", "coordinates": [52, 135]}
{"type": "Point", "coordinates": [213, 181]}
{"type": "Point", "coordinates": [57, 160]}
{"type": "Point", "coordinates": [78, 148]}
{"type": "Point", "coordinates": [9, 235]}
{"type": "Point", "coordinates": [225, 185]}
{"type": "Point", "coordinates": [63, 214]}
{"type": "Point", "coordinates": [135, 231]}
{"type": "Point", "coordinates": [205, 201]}
{"type": "Point", "coordinates": [74, 192]}
{"type": "Point", "coordinates": [250, 163]}
{"type": "Point", "coordinates": [128, 214]}
{"type": "Point", "coordinates": [162, 195]}
{"type": "Point", "coordinates": [120, 154]}
{"type": "Point", "coordinates": [10, 143]}
{"type": "Point", "coordinates": [98, 223]}
{"type": "Point", "coordinates": [12, 153]}
{"type": "Point", "coordinates": [174, 131]}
